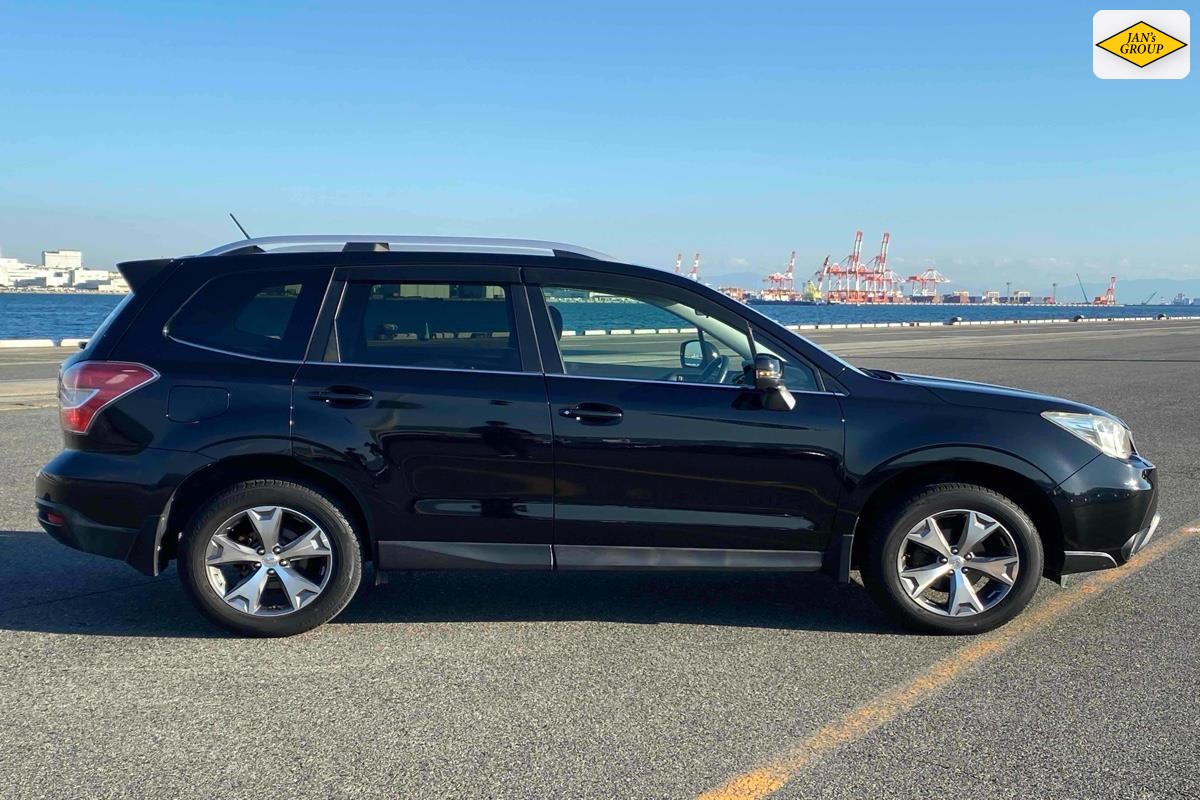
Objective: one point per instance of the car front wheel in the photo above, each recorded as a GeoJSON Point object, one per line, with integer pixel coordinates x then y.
{"type": "Point", "coordinates": [953, 558]}
{"type": "Point", "coordinates": [270, 558]}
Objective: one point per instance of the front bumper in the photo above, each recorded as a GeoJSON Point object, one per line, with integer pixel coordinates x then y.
{"type": "Point", "coordinates": [1108, 511]}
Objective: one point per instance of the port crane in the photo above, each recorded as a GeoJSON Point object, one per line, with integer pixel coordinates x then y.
{"type": "Point", "coordinates": [694, 274]}
{"type": "Point", "coordinates": [781, 285]}
{"type": "Point", "coordinates": [845, 278]}
{"type": "Point", "coordinates": [1109, 298]}
{"type": "Point", "coordinates": [925, 284]}
{"type": "Point", "coordinates": [881, 285]}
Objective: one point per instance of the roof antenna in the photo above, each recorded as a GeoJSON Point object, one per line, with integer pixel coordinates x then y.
{"type": "Point", "coordinates": [240, 228]}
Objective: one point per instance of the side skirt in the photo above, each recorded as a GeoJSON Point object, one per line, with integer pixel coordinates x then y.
{"type": "Point", "coordinates": [486, 555]}
{"type": "Point", "coordinates": [463, 555]}
{"type": "Point", "coordinates": [571, 556]}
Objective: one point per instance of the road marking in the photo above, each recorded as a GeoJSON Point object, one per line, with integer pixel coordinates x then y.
{"type": "Point", "coordinates": [771, 776]}
{"type": "Point", "coordinates": [18, 405]}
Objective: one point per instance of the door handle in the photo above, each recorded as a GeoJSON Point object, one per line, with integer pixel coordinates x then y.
{"type": "Point", "coordinates": [593, 413]}
{"type": "Point", "coordinates": [342, 396]}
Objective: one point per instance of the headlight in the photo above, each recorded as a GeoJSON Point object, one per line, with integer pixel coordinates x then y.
{"type": "Point", "coordinates": [1106, 435]}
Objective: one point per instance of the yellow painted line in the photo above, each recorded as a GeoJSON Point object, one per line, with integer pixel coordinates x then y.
{"type": "Point", "coordinates": [769, 777]}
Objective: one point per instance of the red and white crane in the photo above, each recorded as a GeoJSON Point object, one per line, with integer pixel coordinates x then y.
{"type": "Point", "coordinates": [1110, 296]}
{"type": "Point", "coordinates": [883, 280]}
{"type": "Point", "coordinates": [695, 273]}
{"type": "Point", "coordinates": [782, 284]}
{"type": "Point", "coordinates": [678, 262]}
{"type": "Point", "coordinates": [926, 283]}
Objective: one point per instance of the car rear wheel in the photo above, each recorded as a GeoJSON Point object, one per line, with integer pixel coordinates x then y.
{"type": "Point", "coordinates": [270, 558]}
{"type": "Point", "coordinates": [953, 558]}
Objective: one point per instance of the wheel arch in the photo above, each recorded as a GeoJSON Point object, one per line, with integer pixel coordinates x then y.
{"type": "Point", "coordinates": [1015, 478]}
{"type": "Point", "coordinates": [191, 494]}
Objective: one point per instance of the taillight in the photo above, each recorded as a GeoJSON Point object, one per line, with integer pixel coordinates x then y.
{"type": "Point", "coordinates": [87, 387]}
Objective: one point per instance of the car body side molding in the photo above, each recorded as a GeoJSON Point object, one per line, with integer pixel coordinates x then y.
{"type": "Point", "coordinates": [684, 558]}
{"type": "Point", "coordinates": [399, 555]}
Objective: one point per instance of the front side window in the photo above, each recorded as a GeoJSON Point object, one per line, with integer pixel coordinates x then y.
{"type": "Point", "coordinates": [263, 314]}
{"type": "Point", "coordinates": [428, 325]}
{"type": "Point", "coordinates": [641, 336]}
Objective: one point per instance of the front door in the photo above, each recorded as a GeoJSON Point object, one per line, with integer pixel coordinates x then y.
{"type": "Point", "coordinates": [662, 456]}
{"type": "Point", "coordinates": [429, 401]}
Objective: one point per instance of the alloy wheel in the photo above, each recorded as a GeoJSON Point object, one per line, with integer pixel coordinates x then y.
{"type": "Point", "coordinates": [958, 563]}
{"type": "Point", "coordinates": [268, 561]}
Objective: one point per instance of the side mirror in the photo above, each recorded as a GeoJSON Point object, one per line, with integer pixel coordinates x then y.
{"type": "Point", "coordinates": [768, 380]}
{"type": "Point", "coordinates": [768, 373]}
{"type": "Point", "coordinates": [694, 354]}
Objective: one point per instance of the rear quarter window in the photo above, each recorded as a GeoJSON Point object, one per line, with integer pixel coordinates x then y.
{"type": "Point", "coordinates": [260, 314]}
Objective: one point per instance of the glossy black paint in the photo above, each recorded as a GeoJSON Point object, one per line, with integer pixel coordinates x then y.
{"type": "Point", "coordinates": [452, 468]}
{"type": "Point", "coordinates": [691, 465]}
{"type": "Point", "coordinates": [443, 455]}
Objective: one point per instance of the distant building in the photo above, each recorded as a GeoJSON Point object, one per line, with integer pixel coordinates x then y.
{"type": "Point", "coordinates": [115, 285]}
{"type": "Point", "coordinates": [82, 276]}
{"type": "Point", "coordinates": [62, 259]}
{"type": "Point", "coordinates": [9, 269]}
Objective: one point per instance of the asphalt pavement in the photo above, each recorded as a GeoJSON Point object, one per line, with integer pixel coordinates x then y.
{"type": "Point", "coordinates": [629, 685]}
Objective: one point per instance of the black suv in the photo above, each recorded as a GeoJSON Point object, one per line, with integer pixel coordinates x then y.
{"type": "Point", "coordinates": [274, 413]}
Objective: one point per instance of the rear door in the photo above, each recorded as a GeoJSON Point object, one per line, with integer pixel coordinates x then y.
{"type": "Point", "coordinates": [662, 457]}
{"type": "Point", "coordinates": [427, 397]}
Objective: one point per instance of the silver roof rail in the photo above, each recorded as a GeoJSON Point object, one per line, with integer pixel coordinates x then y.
{"type": "Point", "coordinates": [436, 244]}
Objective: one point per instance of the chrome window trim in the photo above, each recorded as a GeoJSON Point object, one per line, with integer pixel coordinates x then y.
{"type": "Point", "coordinates": [186, 343]}
{"type": "Point", "coordinates": [478, 371]}
{"type": "Point", "coordinates": [680, 383]}
{"type": "Point", "coordinates": [423, 369]}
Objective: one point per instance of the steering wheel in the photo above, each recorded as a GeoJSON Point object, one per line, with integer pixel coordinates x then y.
{"type": "Point", "coordinates": [717, 371]}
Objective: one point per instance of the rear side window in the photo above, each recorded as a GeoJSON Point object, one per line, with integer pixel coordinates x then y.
{"type": "Point", "coordinates": [263, 314]}
{"type": "Point", "coordinates": [431, 325]}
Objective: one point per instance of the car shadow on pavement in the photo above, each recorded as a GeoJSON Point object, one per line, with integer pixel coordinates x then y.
{"type": "Point", "coordinates": [45, 587]}
{"type": "Point", "coordinates": [788, 601]}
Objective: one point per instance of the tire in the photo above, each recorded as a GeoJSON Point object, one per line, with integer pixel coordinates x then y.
{"type": "Point", "coordinates": [221, 555]}
{"type": "Point", "coordinates": [904, 551]}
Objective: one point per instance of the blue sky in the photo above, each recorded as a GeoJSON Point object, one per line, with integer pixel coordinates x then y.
{"type": "Point", "coordinates": [975, 133]}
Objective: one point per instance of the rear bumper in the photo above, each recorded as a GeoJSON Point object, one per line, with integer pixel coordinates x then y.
{"type": "Point", "coordinates": [110, 504]}
{"type": "Point", "coordinates": [73, 529]}
{"type": "Point", "coordinates": [1109, 511]}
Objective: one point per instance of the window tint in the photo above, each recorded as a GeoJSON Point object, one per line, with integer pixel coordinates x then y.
{"type": "Point", "coordinates": [265, 314]}
{"type": "Point", "coordinates": [437, 325]}
{"type": "Point", "coordinates": [635, 336]}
